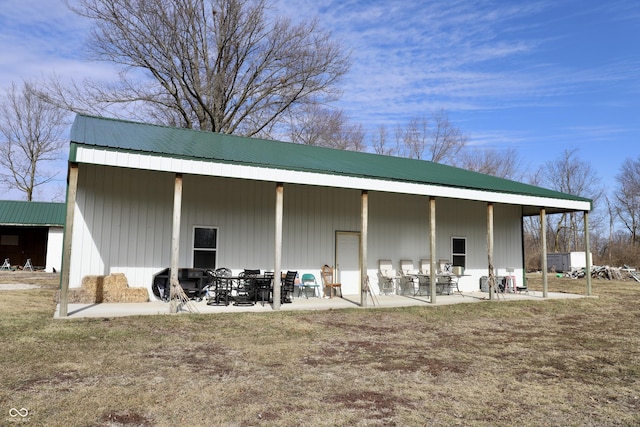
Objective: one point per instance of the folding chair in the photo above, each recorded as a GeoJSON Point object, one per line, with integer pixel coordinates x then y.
{"type": "Point", "coordinates": [308, 281]}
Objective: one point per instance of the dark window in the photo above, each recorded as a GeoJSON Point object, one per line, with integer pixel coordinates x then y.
{"type": "Point", "coordinates": [459, 251]}
{"type": "Point", "coordinates": [205, 247]}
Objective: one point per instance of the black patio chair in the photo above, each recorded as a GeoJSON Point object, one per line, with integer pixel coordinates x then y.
{"type": "Point", "coordinates": [245, 294]}
{"type": "Point", "coordinates": [287, 287]}
{"type": "Point", "coordinates": [220, 286]}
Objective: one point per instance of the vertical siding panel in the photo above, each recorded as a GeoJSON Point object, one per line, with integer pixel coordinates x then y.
{"type": "Point", "coordinates": [129, 212]}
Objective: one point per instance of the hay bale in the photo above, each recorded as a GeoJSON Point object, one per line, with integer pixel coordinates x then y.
{"type": "Point", "coordinates": [127, 295]}
{"type": "Point", "coordinates": [137, 295]}
{"type": "Point", "coordinates": [94, 285]}
{"type": "Point", "coordinates": [115, 281]}
{"type": "Point", "coordinates": [111, 288]}
{"type": "Point", "coordinates": [77, 296]}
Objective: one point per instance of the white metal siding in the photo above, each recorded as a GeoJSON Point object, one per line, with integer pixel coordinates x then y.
{"type": "Point", "coordinates": [54, 249]}
{"type": "Point", "coordinates": [122, 223]}
{"type": "Point", "coordinates": [124, 220]}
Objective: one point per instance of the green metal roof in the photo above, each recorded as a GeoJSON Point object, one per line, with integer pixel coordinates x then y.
{"type": "Point", "coordinates": [158, 140]}
{"type": "Point", "coordinates": [14, 212]}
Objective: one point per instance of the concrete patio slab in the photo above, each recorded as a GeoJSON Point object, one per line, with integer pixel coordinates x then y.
{"type": "Point", "coordinates": [349, 301]}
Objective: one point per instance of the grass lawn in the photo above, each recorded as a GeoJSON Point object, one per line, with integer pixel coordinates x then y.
{"type": "Point", "coordinates": [526, 363]}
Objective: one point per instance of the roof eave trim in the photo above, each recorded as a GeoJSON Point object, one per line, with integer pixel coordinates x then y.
{"type": "Point", "coordinates": [142, 161]}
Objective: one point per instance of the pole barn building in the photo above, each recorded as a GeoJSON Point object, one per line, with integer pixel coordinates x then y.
{"type": "Point", "coordinates": [143, 198]}
{"type": "Point", "coordinates": [32, 231]}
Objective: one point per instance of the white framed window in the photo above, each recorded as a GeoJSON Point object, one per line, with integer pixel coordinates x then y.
{"type": "Point", "coordinates": [205, 247]}
{"type": "Point", "coordinates": [459, 251]}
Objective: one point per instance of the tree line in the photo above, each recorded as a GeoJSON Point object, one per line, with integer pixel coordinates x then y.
{"type": "Point", "coordinates": [233, 66]}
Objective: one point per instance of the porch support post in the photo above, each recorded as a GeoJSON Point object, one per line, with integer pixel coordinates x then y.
{"type": "Point", "coordinates": [72, 192]}
{"type": "Point", "coordinates": [175, 244]}
{"type": "Point", "coordinates": [277, 261]}
{"type": "Point", "coordinates": [432, 249]}
{"type": "Point", "coordinates": [364, 282]}
{"type": "Point", "coordinates": [543, 243]}
{"type": "Point", "coordinates": [492, 277]}
{"type": "Point", "coordinates": [587, 250]}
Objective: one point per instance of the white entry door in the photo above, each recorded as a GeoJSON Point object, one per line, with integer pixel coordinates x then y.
{"type": "Point", "coordinates": [348, 261]}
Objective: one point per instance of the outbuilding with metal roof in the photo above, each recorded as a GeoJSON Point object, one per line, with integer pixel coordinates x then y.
{"type": "Point", "coordinates": [32, 231]}
{"type": "Point", "coordinates": [145, 197]}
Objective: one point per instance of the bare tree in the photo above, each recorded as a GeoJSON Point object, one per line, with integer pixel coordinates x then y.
{"type": "Point", "coordinates": [570, 175]}
{"type": "Point", "coordinates": [31, 132]}
{"type": "Point", "coordinates": [431, 138]}
{"type": "Point", "coordinates": [380, 141]}
{"type": "Point", "coordinates": [317, 125]}
{"type": "Point", "coordinates": [218, 65]}
{"type": "Point", "coordinates": [414, 138]}
{"type": "Point", "coordinates": [446, 139]}
{"type": "Point", "coordinates": [501, 163]}
{"type": "Point", "coordinates": [627, 198]}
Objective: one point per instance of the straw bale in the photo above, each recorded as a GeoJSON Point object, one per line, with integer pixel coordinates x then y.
{"type": "Point", "coordinates": [127, 295]}
{"type": "Point", "coordinates": [111, 288]}
{"type": "Point", "coordinates": [92, 283]}
{"type": "Point", "coordinates": [115, 281]}
{"type": "Point", "coordinates": [77, 296]}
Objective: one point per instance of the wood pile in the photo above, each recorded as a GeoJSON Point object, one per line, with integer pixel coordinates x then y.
{"type": "Point", "coordinates": [111, 288]}
{"type": "Point", "coordinates": [607, 273]}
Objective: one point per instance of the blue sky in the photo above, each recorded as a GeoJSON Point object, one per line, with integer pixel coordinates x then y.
{"type": "Point", "coordinates": [537, 76]}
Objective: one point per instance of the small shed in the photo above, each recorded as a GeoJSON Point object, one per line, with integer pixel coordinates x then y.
{"type": "Point", "coordinates": [32, 230]}
{"type": "Point", "coordinates": [561, 262]}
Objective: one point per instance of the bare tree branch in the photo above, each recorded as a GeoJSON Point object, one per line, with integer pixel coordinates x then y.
{"type": "Point", "coordinates": [218, 65]}
{"type": "Point", "coordinates": [431, 138]}
{"type": "Point", "coordinates": [501, 163]}
{"type": "Point", "coordinates": [317, 125]}
{"type": "Point", "coordinates": [31, 131]}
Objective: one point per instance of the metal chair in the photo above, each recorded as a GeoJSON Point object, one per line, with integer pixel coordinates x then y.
{"type": "Point", "coordinates": [443, 285]}
{"type": "Point", "coordinates": [220, 286]}
{"type": "Point", "coordinates": [424, 286]}
{"type": "Point", "coordinates": [245, 293]}
{"type": "Point", "coordinates": [408, 278]}
{"type": "Point", "coordinates": [308, 281]}
{"type": "Point", "coordinates": [288, 285]}
{"type": "Point", "coordinates": [387, 277]}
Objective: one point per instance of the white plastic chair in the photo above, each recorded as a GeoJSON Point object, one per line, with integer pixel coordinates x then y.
{"type": "Point", "coordinates": [387, 277]}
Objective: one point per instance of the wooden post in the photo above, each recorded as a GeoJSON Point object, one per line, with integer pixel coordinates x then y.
{"type": "Point", "coordinates": [364, 218]}
{"type": "Point", "coordinates": [543, 243]}
{"type": "Point", "coordinates": [277, 262]}
{"type": "Point", "coordinates": [72, 192]}
{"type": "Point", "coordinates": [175, 244]}
{"type": "Point", "coordinates": [587, 250]}
{"type": "Point", "coordinates": [432, 249]}
{"type": "Point", "coordinates": [491, 278]}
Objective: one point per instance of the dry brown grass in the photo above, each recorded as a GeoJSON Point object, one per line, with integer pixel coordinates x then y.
{"type": "Point", "coordinates": [537, 363]}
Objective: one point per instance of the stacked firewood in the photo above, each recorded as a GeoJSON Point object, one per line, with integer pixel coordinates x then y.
{"type": "Point", "coordinates": [606, 272]}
